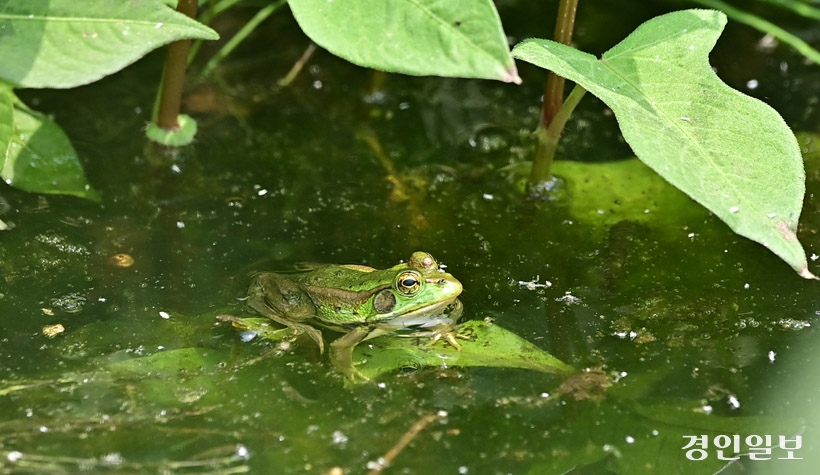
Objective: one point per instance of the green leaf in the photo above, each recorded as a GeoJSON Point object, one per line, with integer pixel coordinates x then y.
{"type": "Point", "coordinates": [40, 158]}
{"type": "Point", "coordinates": [731, 153]}
{"type": "Point", "coordinates": [454, 38]}
{"type": "Point", "coordinates": [168, 377]}
{"type": "Point", "coordinates": [67, 43]}
{"type": "Point", "coordinates": [169, 363]}
{"type": "Point", "coordinates": [6, 122]}
{"type": "Point", "coordinates": [490, 346]}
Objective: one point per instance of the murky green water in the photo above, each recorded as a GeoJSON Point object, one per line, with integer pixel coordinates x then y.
{"type": "Point", "coordinates": [687, 329]}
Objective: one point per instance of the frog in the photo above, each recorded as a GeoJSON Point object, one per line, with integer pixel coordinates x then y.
{"type": "Point", "coordinates": [415, 298]}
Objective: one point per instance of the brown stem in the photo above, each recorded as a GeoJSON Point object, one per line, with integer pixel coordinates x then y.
{"type": "Point", "coordinates": [173, 79]}
{"type": "Point", "coordinates": [554, 91]}
{"type": "Point", "coordinates": [546, 143]}
{"type": "Point", "coordinates": [405, 439]}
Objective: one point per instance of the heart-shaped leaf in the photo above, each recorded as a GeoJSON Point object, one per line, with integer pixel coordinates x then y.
{"type": "Point", "coordinates": [731, 153]}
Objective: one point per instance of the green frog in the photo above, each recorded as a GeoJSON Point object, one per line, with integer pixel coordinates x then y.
{"type": "Point", "coordinates": [362, 302]}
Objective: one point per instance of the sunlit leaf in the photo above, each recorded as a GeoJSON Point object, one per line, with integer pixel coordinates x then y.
{"type": "Point", "coordinates": [67, 43]}
{"type": "Point", "coordinates": [732, 153]}
{"type": "Point", "coordinates": [6, 122]}
{"type": "Point", "coordinates": [456, 38]}
{"type": "Point", "coordinates": [40, 158]}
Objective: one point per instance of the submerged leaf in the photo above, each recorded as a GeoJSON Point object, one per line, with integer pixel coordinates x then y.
{"type": "Point", "coordinates": [456, 38]}
{"type": "Point", "coordinates": [169, 363]}
{"type": "Point", "coordinates": [67, 43]}
{"type": "Point", "coordinates": [731, 153]}
{"type": "Point", "coordinates": [490, 346]}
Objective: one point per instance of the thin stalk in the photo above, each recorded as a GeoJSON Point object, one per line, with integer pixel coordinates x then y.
{"type": "Point", "coordinates": [553, 99]}
{"type": "Point", "coordinates": [173, 78]}
{"type": "Point", "coordinates": [297, 66]}
{"type": "Point", "coordinates": [554, 91]}
{"type": "Point", "coordinates": [548, 139]}
{"type": "Point", "coordinates": [215, 8]}
{"type": "Point", "coordinates": [240, 36]}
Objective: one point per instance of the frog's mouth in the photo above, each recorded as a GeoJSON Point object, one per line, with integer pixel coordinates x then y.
{"type": "Point", "coordinates": [428, 316]}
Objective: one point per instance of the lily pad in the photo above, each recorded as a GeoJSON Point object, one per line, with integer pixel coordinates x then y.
{"type": "Point", "coordinates": [731, 153]}
{"type": "Point", "coordinates": [490, 346]}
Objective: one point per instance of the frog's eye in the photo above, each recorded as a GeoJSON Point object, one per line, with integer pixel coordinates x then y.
{"type": "Point", "coordinates": [408, 283]}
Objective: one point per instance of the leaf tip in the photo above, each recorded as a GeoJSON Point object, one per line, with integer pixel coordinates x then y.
{"type": "Point", "coordinates": [806, 274]}
{"type": "Point", "coordinates": [511, 75]}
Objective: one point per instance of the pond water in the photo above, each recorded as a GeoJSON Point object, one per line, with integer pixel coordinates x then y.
{"type": "Point", "coordinates": [679, 327]}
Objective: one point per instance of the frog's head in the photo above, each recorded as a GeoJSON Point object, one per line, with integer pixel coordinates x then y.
{"type": "Point", "coordinates": [420, 288]}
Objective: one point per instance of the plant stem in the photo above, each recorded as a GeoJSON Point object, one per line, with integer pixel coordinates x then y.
{"type": "Point", "coordinates": [297, 66]}
{"type": "Point", "coordinates": [547, 142]}
{"type": "Point", "coordinates": [554, 91]}
{"type": "Point", "coordinates": [174, 75]}
{"type": "Point", "coordinates": [240, 36]}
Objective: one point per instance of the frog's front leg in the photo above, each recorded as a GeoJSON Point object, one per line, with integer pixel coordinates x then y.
{"type": "Point", "coordinates": [448, 331]}
{"type": "Point", "coordinates": [341, 353]}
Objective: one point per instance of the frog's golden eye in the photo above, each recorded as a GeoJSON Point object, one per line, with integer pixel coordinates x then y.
{"type": "Point", "coordinates": [408, 283]}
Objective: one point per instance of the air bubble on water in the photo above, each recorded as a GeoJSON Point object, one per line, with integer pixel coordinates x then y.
{"type": "Point", "coordinates": [242, 452]}
{"type": "Point", "coordinates": [339, 437]}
